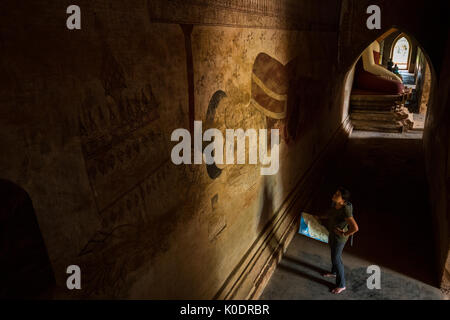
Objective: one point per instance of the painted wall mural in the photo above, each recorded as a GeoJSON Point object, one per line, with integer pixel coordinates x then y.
{"type": "Point", "coordinates": [269, 88]}
{"type": "Point", "coordinates": [125, 139]}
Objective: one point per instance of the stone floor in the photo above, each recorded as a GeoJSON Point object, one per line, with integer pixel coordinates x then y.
{"type": "Point", "coordinates": [298, 277]}
{"type": "Point", "coordinates": [386, 175]}
{"type": "Point", "coordinates": [408, 78]}
{"type": "Point", "coordinates": [419, 121]}
{"type": "Point", "coordinates": [409, 135]}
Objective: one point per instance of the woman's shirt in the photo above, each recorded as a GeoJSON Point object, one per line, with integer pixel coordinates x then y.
{"type": "Point", "coordinates": [336, 219]}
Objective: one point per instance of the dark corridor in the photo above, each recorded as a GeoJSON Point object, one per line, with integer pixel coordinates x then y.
{"type": "Point", "coordinates": [390, 197]}
{"type": "Point", "coordinates": [386, 175]}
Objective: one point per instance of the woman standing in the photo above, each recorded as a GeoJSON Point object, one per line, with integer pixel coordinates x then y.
{"type": "Point", "coordinates": [341, 225]}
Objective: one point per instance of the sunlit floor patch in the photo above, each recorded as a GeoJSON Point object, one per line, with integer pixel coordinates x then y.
{"type": "Point", "coordinates": [298, 276]}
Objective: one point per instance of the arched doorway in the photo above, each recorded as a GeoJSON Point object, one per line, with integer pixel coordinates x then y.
{"type": "Point", "coordinates": [401, 51]}
{"type": "Point", "coordinates": [25, 267]}
{"type": "Point", "coordinates": [404, 49]}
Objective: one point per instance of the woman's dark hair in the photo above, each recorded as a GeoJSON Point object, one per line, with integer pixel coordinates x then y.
{"type": "Point", "coordinates": [345, 194]}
